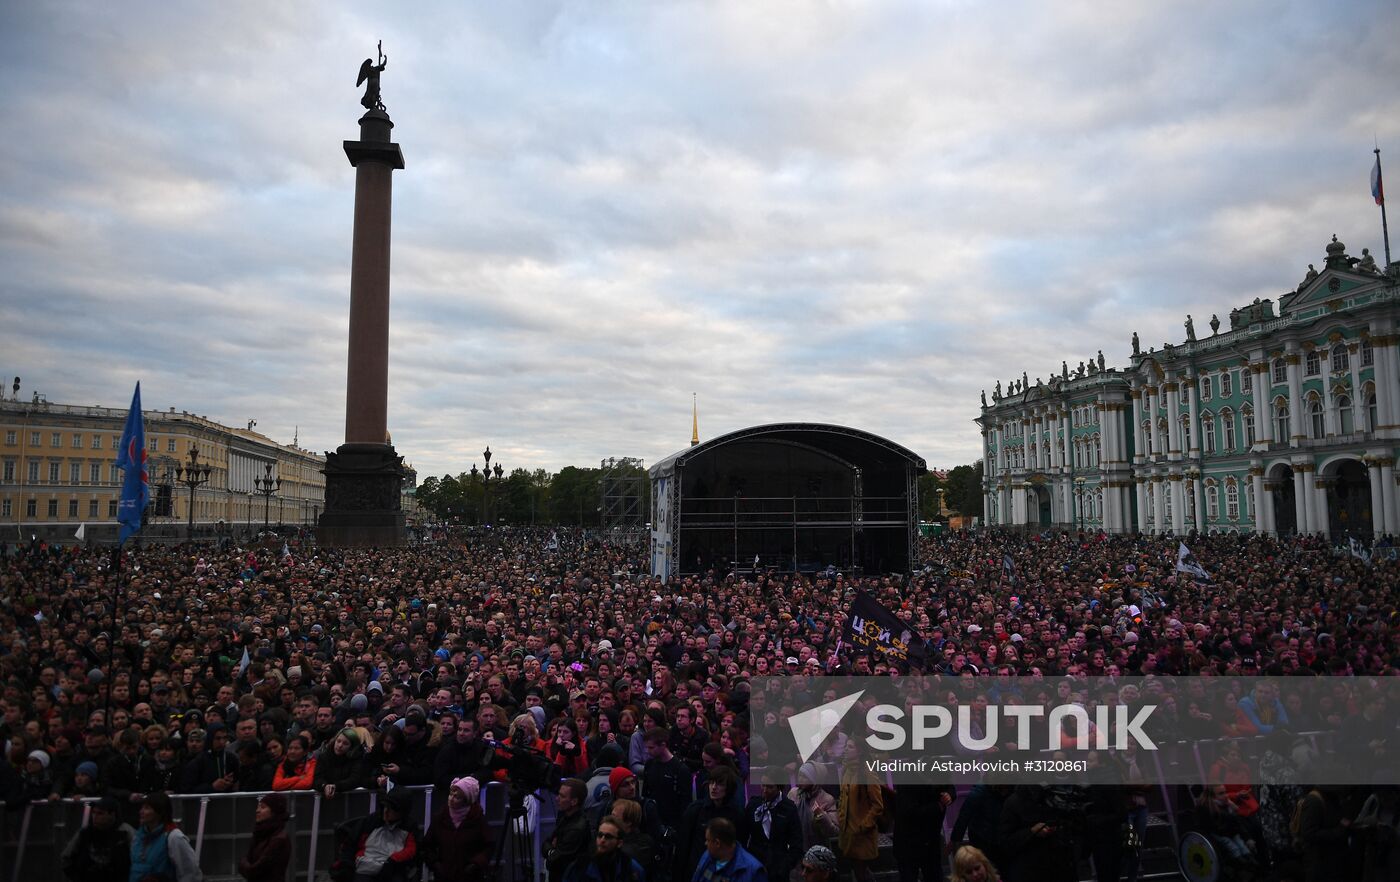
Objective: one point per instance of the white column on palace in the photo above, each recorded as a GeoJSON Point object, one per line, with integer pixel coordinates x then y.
{"type": "Point", "coordinates": [1139, 442]}
{"type": "Point", "coordinates": [1256, 478]}
{"type": "Point", "coordinates": [1295, 400]}
{"type": "Point", "coordinates": [1178, 503]}
{"type": "Point", "coordinates": [1193, 418]}
{"type": "Point", "coordinates": [1263, 414]}
{"type": "Point", "coordinates": [1175, 443]}
{"type": "Point", "coordinates": [1154, 449]}
{"type": "Point", "coordinates": [1379, 522]}
{"type": "Point", "coordinates": [1301, 494]}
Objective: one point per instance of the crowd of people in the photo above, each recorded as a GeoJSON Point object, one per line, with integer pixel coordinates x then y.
{"type": "Point", "coordinates": [279, 669]}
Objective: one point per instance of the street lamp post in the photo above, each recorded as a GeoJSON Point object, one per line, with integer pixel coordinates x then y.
{"type": "Point", "coordinates": [485, 476]}
{"type": "Point", "coordinates": [266, 486]}
{"type": "Point", "coordinates": [192, 475]}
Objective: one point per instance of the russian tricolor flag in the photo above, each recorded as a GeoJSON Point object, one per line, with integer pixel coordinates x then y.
{"type": "Point", "coordinates": [1377, 190]}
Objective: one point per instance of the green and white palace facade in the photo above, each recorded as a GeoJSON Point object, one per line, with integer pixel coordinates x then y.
{"type": "Point", "coordinates": [1284, 420]}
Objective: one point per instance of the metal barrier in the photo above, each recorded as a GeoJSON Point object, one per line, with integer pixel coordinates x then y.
{"type": "Point", "coordinates": [220, 827]}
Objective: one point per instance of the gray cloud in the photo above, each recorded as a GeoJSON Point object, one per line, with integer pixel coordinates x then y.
{"type": "Point", "coordinates": [799, 210]}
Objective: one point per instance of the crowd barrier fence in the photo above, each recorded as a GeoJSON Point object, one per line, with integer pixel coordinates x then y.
{"type": "Point", "coordinates": [220, 826]}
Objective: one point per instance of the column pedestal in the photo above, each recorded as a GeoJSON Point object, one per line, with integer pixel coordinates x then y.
{"type": "Point", "coordinates": [364, 507]}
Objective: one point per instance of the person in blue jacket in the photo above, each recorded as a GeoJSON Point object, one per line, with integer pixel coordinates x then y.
{"type": "Point", "coordinates": [725, 859]}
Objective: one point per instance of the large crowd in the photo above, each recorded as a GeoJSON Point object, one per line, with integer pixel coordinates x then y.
{"type": "Point", "coordinates": [289, 668]}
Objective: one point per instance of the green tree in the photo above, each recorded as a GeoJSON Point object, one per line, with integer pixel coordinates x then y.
{"type": "Point", "coordinates": [574, 497]}
{"type": "Point", "coordinates": [964, 490]}
{"type": "Point", "coordinates": [929, 485]}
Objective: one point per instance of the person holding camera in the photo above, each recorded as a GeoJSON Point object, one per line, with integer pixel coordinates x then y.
{"type": "Point", "coordinates": [1037, 838]}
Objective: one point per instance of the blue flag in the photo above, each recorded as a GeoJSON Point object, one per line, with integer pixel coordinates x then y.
{"type": "Point", "coordinates": [136, 489]}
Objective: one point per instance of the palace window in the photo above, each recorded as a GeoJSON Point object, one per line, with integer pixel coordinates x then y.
{"type": "Point", "coordinates": [1371, 410]}
{"type": "Point", "coordinates": [77, 441]}
{"type": "Point", "coordinates": [6, 508]}
{"type": "Point", "coordinates": [75, 472]}
{"type": "Point", "coordinates": [11, 439]}
{"type": "Point", "coordinates": [1205, 388]}
{"type": "Point", "coordinates": [53, 472]}
{"type": "Point", "coordinates": [1227, 426]}
{"type": "Point", "coordinates": [31, 508]}
{"type": "Point", "coordinates": [96, 442]}
{"type": "Point", "coordinates": [1344, 415]}
{"type": "Point", "coordinates": [1212, 501]}
{"type": "Point", "coordinates": [1341, 361]}
{"type": "Point", "coordinates": [92, 507]}
{"type": "Point", "coordinates": [170, 445]}
{"type": "Point", "coordinates": [1281, 421]}
{"type": "Point", "coordinates": [1313, 363]}
{"type": "Point", "coordinates": [72, 508]}
{"type": "Point", "coordinates": [33, 471]}
{"type": "Point", "coordinates": [53, 508]}
{"type": "Point", "coordinates": [1247, 413]}
{"type": "Point", "coordinates": [1368, 355]}
{"type": "Point", "coordinates": [1316, 421]}
{"type": "Point", "coordinates": [1232, 500]}
{"type": "Point", "coordinates": [95, 473]}
{"type": "Point", "coordinates": [1207, 433]}
{"type": "Point", "coordinates": [1280, 371]}
{"type": "Point", "coordinates": [1247, 381]}
{"type": "Point", "coordinates": [1227, 384]}
{"type": "Point", "coordinates": [9, 470]}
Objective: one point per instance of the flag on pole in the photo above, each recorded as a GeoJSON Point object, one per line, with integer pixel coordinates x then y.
{"type": "Point", "coordinates": [1377, 187]}
{"type": "Point", "coordinates": [1186, 563]}
{"type": "Point", "coordinates": [136, 489]}
{"type": "Point", "coordinates": [82, 532]}
{"type": "Point", "coordinates": [1358, 550]}
{"type": "Point", "coordinates": [244, 662]}
{"type": "Point", "coordinates": [1008, 567]}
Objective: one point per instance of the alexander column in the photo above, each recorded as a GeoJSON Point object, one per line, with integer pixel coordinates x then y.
{"type": "Point", "coordinates": [364, 476]}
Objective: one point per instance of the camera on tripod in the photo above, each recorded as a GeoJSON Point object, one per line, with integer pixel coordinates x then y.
{"type": "Point", "coordinates": [526, 769]}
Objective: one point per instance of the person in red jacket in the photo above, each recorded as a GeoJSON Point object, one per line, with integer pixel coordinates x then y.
{"type": "Point", "coordinates": [297, 771]}
{"type": "Point", "coordinates": [567, 750]}
{"type": "Point", "coordinates": [457, 847]}
{"type": "Point", "coordinates": [271, 850]}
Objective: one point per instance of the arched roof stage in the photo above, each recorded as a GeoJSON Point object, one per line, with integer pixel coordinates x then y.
{"type": "Point", "coordinates": [796, 496]}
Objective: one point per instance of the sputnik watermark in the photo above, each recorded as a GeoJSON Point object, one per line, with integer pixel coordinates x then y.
{"type": "Point", "coordinates": [1112, 727]}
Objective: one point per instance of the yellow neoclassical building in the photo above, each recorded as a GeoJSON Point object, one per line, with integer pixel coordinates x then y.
{"type": "Point", "coordinates": [58, 471]}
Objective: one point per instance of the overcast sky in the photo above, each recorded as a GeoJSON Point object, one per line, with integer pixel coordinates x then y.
{"type": "Point", "coordinates": [850, 212]}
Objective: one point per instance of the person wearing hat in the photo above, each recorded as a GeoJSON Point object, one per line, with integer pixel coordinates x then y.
{"type": "Point", "coordinates": [101, 851]}
{"type": "Point", "coordinates": [37, 783]}
{"type": "Point", "coordinates": [457, 846]}
{"type": "Point", "coordinates": [818, 865]}
{"type": "Point", "coordinates": [816, 809]}
{"type": "Point", "coordinates": [159, 848]}
{"type": "Point", "coordinates": [270, 851]}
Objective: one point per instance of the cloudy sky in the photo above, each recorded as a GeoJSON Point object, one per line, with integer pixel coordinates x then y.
{"type": "Point", "coordinates": [851, 212]}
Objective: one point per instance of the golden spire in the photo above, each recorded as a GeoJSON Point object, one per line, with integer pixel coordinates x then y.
{"type": "Point", "coordinates": [694, 421]}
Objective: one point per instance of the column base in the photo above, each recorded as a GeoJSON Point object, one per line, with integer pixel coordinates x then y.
{"type": "Point", "coordinates": [364, 508]}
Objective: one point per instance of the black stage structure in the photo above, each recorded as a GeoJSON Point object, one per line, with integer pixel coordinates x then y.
{"type": "Point", "coordinates": [794, 497]}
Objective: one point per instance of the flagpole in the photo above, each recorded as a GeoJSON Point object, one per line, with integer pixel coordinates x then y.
{"type": "Point", "coordinates": [112, 637]}
{"type": "Point", "coordinates": [1385, 227]}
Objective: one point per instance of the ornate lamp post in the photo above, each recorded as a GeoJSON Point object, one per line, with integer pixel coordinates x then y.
{"type": "Point", "coordinates": [485, 476]}
{"type": "Point", "coordinates": [266, 486]}
{"type": "Point", "coordinates": [192, 475]}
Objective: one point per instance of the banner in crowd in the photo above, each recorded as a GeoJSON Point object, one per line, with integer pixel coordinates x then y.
{"type": "Point", "coordinates": [875, 629]}
{"type": "Point", "coordinates": [1186, 563]}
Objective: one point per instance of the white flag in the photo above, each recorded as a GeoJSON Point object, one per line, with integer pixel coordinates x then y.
{"type": "Point", "coordinates": [243, 665]}
{"type": "Point", "coordinates": [1186, 563]}
{"type": "Point", "coordinates": [82, 532]}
